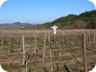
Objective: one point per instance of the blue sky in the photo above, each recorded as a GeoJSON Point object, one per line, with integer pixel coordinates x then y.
{"type": "Point", "coordinates": [40, 11]}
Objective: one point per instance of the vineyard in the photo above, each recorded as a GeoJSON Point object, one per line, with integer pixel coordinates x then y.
{"type": "Point", "coordinates": [42, 51]}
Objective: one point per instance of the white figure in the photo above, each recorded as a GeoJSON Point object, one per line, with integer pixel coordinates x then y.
{"type": "Point", "coordinates": [2, 70]}
{"type": "Point", "coordinates": [23, 27]}
{"type": "Point", "coordinates": [94, 2]}
{"type": "Point", "coordinates": [54, 28]}
{"type": "Point", "coordinates": [94, 69]}
{"type": "Point", "coordinates": [2, 1]}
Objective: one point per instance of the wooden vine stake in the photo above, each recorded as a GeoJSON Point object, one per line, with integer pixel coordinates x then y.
{"type": "Point", "coordinates": [26, 61]}
{"type": "Point", "coordinates": [9, 47]}
{"type": "Point", "coordinates": [84, 52]}
{"type": "Point", "coordinates": [51, 60]}
{"type": "Point", "coordinates": [60, 55]}
{"type": "Point", "coordinates": [94, 36]}
{"type": "Point", "coordinates": [50, 55]}
{"type": "Point", "coordinates": [23, 45]}
{"type": "Point", "coordinates": [44, 49]}
{"type": "Point", "coordinates": [35, 49]}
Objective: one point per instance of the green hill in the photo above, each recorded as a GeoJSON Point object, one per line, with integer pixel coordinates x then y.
{"type": "Point", "coordinates": [73, 20]}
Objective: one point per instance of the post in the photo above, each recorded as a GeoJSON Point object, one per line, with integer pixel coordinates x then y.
{"type": "Point", "coordinates": [44, 49]}
{"type": "Point", "coordinates": [26, 61]}
{"type": "Point", "coordinates": [84, 52]}
{"type": "Point", "coordinates": [60, 55]}
{"type": "Point", "coordinates": [2, 41]}
{"type": "Point", "coordinates": [94, 36]}
{"type": "Point", "coordinates": [51, 60]}
{"type": "Point", "coordinates": [9, 53]}
{"type": "Point", "coordinates": [23, 45]}
{"type": "Point", "coordinates": [35, 49]}
{"type": "Point", "coordinates": [51, 70]}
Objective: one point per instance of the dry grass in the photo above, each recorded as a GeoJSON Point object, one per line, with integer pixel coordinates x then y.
{"type": "Point", "coordinates": [68, 42]}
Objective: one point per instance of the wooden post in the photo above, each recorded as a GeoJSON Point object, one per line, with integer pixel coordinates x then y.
{"type": "Point", "coordinates": [26, 61]}
{"type": "Point", "coordinates": [35, 49]}
{"type": "Point", "coordinates": [17, 42]}
{"type": "Point", "coordinates": [26, 66]}
{"type": "Point", "coordinates": [44, 49]}
{"type": "Point", "coordinates": [84, 52]}
{"type": "Point", "coordinates": [51, 70]}
{"type": "Point", "coordinates": [2, 41]}
{"type": "Point", "coordinates": [9, 52]}
{"type": "Point", "coordinates": [23, 44]}
{"type": "Point", "coordinates": [9, 49]}
{"type": "Point", "coordinates": [94, 36]}
{"type": "Point", "coordinates": [51, 60]}
{"type": "Point", "coordinates": [60, 55]}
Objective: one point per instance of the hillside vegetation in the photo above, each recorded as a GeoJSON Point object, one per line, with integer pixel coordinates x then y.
{"type": "Point", "coordinates": [84, 20]}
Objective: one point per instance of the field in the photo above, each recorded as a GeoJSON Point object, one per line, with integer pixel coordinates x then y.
{"type": "Point", "coordinates": [42, 51]}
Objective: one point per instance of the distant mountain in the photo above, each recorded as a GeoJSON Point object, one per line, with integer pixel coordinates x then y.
{"type": "Point", "coordinates": [15, 25]}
